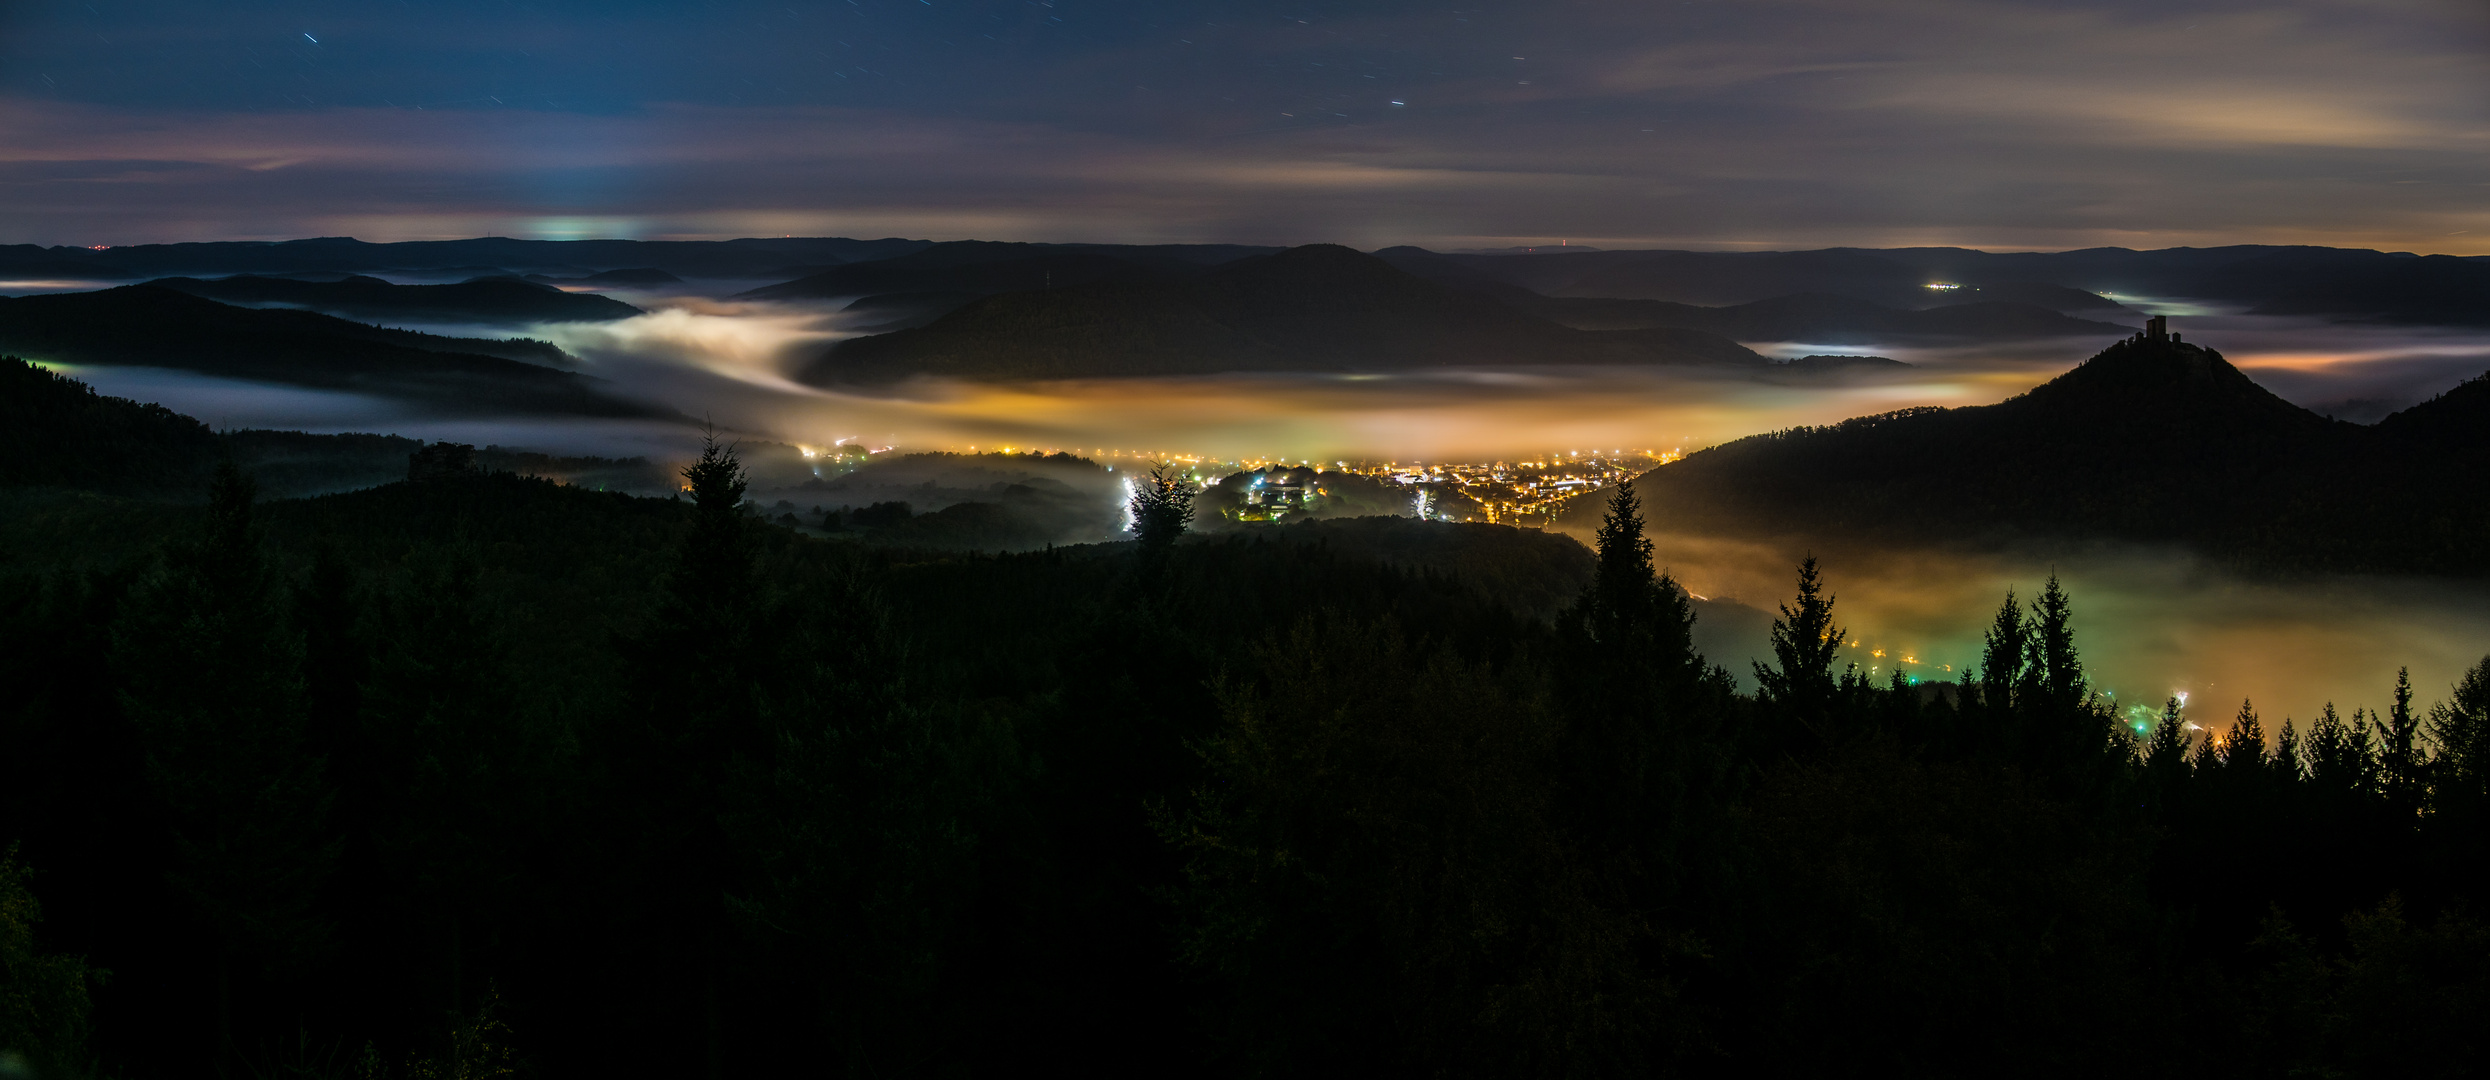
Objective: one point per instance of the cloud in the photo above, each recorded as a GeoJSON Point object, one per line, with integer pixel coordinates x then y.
{"type": "Point", "coordinates": [1766, 123]}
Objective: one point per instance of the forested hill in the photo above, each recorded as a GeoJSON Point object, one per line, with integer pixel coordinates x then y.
{"type": "Point", "coordinates": [485, 300]}
{"type": "Point", "coordinates": [150, 326]}
{"type": "Point", "coordinates": [57, 436]}
{"type": "Point", "coordinates": [2148, 441]}
{"type": "Point", "coordinates": [58, 432]}
{"type": "Point", "coordinates": [1313, 308]}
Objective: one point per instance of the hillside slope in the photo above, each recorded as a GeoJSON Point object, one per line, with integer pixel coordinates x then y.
{"type": "Point", "coordinates": [2151, 441]}
{"type": "Point", "coordinates": [148, 326]}
{"type": "Point", "coordinates": [489, 300]}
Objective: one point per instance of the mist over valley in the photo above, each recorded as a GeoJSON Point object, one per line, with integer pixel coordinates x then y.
{"type": "Point", "coordinates": [678, 333]}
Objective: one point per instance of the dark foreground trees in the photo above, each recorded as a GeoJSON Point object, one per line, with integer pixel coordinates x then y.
{"type": "Point", "coordinates": [483, 773]}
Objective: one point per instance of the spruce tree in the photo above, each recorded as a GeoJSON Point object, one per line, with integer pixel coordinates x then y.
{"type": "Point", "coordinates": [2055, 675]}
{"type": "Point", "coordinates": [2460, 781]}
{"type": "Point", "coordinates": [2403, 767]}
{"type": "Point", "coordinates": [1640, 616]}
{"type": "Point", "coordinates": [1162, 507]}
{"type": "Point", "coordinates": [1799, 688]}
{"type": "Point", "coordinates": [2342, 764]}
{"type": "Point", "coordinates": [699, 671]}
{"type": "Point", "coordinates": [2005, 654]}
{"type": "Point", "coordinates": [2166, 768]}
{"type": "Point", "coordinates": [2242, 749]}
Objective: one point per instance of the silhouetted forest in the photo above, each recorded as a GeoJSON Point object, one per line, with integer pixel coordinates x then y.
{"type": "Point", "coordinates": [475, 774]}
{"type": "Point", "coordinates": [57, 433]}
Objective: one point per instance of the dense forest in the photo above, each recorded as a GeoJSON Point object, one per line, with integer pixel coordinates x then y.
{"type": "Point", "coordinates": [474, 775]}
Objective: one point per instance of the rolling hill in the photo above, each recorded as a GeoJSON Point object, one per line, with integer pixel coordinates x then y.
{"type": "Point", "coordinates": [1825, 318]}
{"type": "Point", "coordinates": [150, 326]}
{"type": "Point", "coordinates": [485, 300]}
{"type": "Point", "coordinates": [1313, 308]}
{"type": "Point", "coordinates": [2149, 441]}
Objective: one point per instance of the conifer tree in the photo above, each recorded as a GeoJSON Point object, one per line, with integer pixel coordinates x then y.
{"type": "Point", "coordinates": [1639, 615]}
{"type": "Point", "coordinates": [2342, 765]}
{"type": "Point", "coordinates": [2005, 654]}
{"type": "Point", "coordinates": [1162, 507]}
{"type": "Point", "coordinates": [1641, 706]}
{"type": "Point", "coordinates": [2241, 750]}
{"type": "Point", "coordinates": [2460, 780]}
{"type": "Point", "coordinates": [2055, 674]}
{"type": "Point", "coordinates": [703, 722]}
{"type": "Point", "coordinates": [2166, 766]}
{"type": "Point", "coordinates": [2403, 767]}
{"type": "Point", "coordinates": [2170, 739]}
{"type": "Point", "coordinates": [2460, 727]}
{"type": "Point", "coordinates": [1800, 686]}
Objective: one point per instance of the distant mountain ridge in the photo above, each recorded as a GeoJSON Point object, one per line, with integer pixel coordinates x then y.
{"type": "Point", "coordinates": [2150, 440]}
{"type": "Point", "coordinates": [1313, 308]}
{"type": "Point", "coordinates": [487, 300]}
{"type": "Point", "coordinates": [751, 257]}
{"type": "Point", "coordinates": [1825, 318]}
{"type": "Point", "coordinates": [2334, 282]}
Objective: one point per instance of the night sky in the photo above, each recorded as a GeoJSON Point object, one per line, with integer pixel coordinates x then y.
{"type": "Point", "coordinates": [1700, 123]}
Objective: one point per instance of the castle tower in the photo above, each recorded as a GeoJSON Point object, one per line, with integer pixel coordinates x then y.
{"type": "Point", "coordinates": [2157, 328]}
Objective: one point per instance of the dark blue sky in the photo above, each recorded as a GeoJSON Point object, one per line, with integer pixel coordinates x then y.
{"type": "Point", "coordinates": [1667, 122]}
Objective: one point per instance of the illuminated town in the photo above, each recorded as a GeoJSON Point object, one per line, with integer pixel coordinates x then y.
{"type": "Point", "coordinates": [1519, 491]}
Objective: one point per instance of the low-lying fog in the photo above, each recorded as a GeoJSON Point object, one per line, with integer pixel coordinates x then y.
{"type": "Point", "coordinates": [2153, 622]}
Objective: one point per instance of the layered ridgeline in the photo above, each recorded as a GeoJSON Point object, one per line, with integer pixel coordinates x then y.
{"type": "Point", "coordinates": [2152, 440]}
{"type": "Point", "coordinates": [484, 300]}
{"type": "Point", "coordinates": [58, 433]}
{"type": "Point", "coordinates": [1838, 299]}
{"type": "Point", "coordinates": [1826, 318]}
{"type": "Point", "coordinates": [151, 326]}
{"type": "Point", "coordinates": [1313, 308]}
{"type": "Point", "coordinates": [769, 258]}
{"type": "Point", "coordinates": [2326, 282]}
{"type": "Point", "coordinates": [2335, 283]}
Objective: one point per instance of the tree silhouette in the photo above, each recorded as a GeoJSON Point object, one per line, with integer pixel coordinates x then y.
{"type": "Point", "coordinates": [1162, 506]}
{"type": "Point", "coordinates": [1800, 684]}
{"type": "Point", "coordinates": [700, 671]}
{"type": "Point", "coordinates": [2403, 764]}
{"type": "Point", "coordinates": [2005, 655]}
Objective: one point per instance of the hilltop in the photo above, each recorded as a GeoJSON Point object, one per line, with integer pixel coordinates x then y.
{"type": "Point", "coordinates": [2152, 440]}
